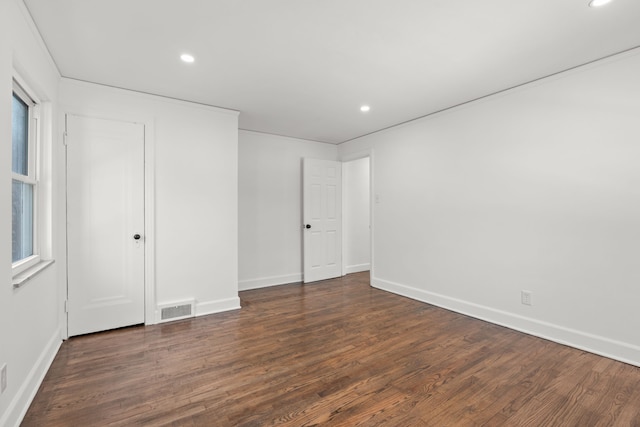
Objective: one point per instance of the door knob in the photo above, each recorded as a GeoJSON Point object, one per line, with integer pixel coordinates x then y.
{"type": "Point", "coordinates": [136, 237]}
{"type": "Point", "coordinates": [307, 226]}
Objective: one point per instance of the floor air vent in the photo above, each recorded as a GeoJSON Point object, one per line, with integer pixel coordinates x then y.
{"type": "Point", "coordinates": [177, 311]}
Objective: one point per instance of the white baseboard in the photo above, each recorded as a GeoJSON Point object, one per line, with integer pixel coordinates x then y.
{"type": "Point", "coordinates": [211, 307]}
{"type": "Point", "coordinates": [265, 282]}
{"type": "Point", "coordinates": [357, 268]}
{"type": "Point", "coordinates": [617, 350]}
{"type": "Point", "coordinates": [18, 407]}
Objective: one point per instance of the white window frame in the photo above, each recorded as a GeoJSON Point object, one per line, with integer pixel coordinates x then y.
{"type": "Point", "coordinates": [32, 177]}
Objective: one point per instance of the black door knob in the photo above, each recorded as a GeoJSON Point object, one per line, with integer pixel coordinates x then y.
{"type": "Point", "coordinates": [136, 236]}
{"type": "Point", "coordinates": [307, 226]}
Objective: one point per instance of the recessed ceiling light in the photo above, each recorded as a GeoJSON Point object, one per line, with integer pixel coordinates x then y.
{"type": "Point", "coordinates": [365, 108]}
{"type": "Point", "coordinates": [187, 58]}
{"type": "Point", "coordinates": [598, 3]}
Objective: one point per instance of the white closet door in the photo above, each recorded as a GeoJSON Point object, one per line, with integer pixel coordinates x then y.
{"type": "Point", "coordinates": [105, 224]}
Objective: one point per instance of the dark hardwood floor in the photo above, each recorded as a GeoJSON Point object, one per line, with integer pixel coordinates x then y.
{"type": "Point", "coordinates": [334, 353]}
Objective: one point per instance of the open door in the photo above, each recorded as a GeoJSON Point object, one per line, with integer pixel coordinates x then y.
{"type": "Point", "coordinates": [322, 216]}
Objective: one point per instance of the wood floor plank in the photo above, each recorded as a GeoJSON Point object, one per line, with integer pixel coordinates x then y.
{"type": "Point", "coordinates": [338, 353]}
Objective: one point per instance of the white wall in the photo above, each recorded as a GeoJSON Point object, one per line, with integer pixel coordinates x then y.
{"type": "Point", "coordinates": [30, 316]}
{"type": "Point", "coordinates": [270, 206]}
{"type": "Point", "coordinates": [355, 186]}
{"type": "Point", "coordinates": [196, 193]}
{"type": "Point", "coordinates": [534, 189]}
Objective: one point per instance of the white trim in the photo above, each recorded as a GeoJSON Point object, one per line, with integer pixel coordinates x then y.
{"type": "Point", "coordinates": [211, 307]}
{"type": "Point", "coordinates": [349, 269]}
{"type": "Point", "coordinates": [504, 92]}
{"type": "Point", "coordinates": [343, 267]}
{"type": "Point", "coordinates": [151, 96]}
{"type": "Point", "coordinates": [63, 236]}
{"type": "Point", "coordinates": [149, 222]}
{"type": "Point", "coordinates": [291, 138]}
{"type": "Point", "coordinates": [24, 178]}
{"type": "Point", "coordinates": [27, 274]}
{"type": "Point", "coordinates": [617, 350]}
{"type": "Point", "coordinates": [18, 407]}
{"type": "Point", "coordinates": [24, 92]}
{"type": "Point", "coordinates": [19, 267]}
{"type": "Point", "coordinates": [265, 282]}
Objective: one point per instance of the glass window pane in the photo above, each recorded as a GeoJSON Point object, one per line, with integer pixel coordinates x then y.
{"type": "Point", "coordinates": [22, 221]}
{"type": "Point", "coordinates": [20, 136]}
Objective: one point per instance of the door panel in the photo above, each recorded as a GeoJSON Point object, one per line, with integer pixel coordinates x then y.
{"type": "Point", "coordinates": [322, 212]}
{"type": "Point", "coordinates": [105, 210]}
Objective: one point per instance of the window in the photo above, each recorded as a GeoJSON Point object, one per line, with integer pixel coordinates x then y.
{"type": "Point", "coordinates": [24, 183]}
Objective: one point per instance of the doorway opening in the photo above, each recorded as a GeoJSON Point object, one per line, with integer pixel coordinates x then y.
{"type": "Point", "coordinates": [356, 218]}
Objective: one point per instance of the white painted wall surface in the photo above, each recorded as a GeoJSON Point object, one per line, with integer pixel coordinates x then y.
{"type": "Point", "coordinates": [30, 316]}
{"type": "Point", "coordinates": [196, 192]}
{"type": "Point", "coordinates": [270, 206]}
{"type": "Point", "coordinates": [357, 247]}
{"type": "Point", "coordinates": [537, 189]}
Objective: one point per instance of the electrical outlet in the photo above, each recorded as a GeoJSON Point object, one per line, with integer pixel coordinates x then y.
{"type": "Point", "coordinates": [526, 297]}
{"type": "Point", "coordinates": [3, 378]}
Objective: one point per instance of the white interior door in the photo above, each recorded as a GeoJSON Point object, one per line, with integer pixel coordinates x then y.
{"type": "Point", "coordinates": [105, 224]}
{"type": "Point", "coordinates": [322, 216]}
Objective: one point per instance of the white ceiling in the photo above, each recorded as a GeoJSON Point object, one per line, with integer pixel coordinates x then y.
{"type": "Point", "coordinates": [302, 68]}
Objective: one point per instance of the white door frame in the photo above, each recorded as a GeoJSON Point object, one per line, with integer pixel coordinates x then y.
{"type": "Point", "coordinates": [349, 158]}
{"type": "Point", "coordinates": [150, 306]}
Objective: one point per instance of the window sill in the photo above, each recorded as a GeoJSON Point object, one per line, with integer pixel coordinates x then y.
{"type": "Point", "coordinates": [22, 278]}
